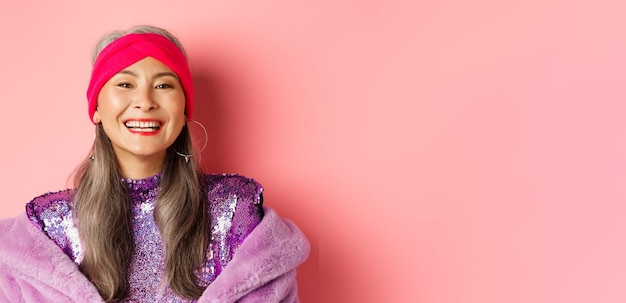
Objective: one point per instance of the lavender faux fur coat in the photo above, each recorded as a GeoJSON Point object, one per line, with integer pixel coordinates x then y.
{"type": "Point", "coordinates": [34, 269]}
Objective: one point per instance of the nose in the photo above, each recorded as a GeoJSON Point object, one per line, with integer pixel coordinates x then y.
{"type": "Point", "coordinates": [144, 100]}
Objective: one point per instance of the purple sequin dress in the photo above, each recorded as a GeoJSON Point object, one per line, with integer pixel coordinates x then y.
{"type": "Point", "coordinates": [235, 209]}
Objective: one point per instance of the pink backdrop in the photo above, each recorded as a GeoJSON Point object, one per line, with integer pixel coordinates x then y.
{"type": "Point", "coordinates": [432, 151]}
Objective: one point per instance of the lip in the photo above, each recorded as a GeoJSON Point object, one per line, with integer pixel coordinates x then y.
{"type": "Point", "coordinates": [140, 132]}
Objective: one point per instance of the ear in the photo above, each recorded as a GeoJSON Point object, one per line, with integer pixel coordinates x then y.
{"type": "Point", "coordinates": [96, 117]}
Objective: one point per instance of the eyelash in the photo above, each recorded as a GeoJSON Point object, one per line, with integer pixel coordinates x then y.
{"type": "Point", "coordinates": [162, 86]}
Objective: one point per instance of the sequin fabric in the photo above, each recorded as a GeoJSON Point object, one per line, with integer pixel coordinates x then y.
{"type": "Point", "coordinates": [235, 208]}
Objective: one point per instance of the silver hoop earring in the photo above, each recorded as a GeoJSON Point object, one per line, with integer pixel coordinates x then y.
{"type": "Point", "coordinates": [95, 135]}
{"type": "Point", "coordinates": [184, 156]}
{"type": "Point", "coordinates": [206, 135]}
{"type": "Point", "coordinates": [206, 141]}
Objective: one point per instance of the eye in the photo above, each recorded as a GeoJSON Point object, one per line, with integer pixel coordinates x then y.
{"type": "Point", "coordinates": [164, 85]}
{"type": "Point", "coordinates": [124, 85]}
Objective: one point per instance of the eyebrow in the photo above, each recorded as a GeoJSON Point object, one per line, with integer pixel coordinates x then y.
{"type": "Point", "coordinates": [157, 75]}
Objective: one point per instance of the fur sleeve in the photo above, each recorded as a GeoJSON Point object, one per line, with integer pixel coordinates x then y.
{"type": "Point", "coordinates": [34, 269]}
{"type": "Point", "coordinates": [264, 267]}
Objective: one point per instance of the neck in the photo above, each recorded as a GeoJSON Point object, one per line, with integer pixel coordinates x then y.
{"type": "Point", "coordinates": [140, 168]}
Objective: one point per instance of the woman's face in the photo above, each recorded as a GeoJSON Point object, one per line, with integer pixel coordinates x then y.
{"type": "Point", "coordinates": [142, 111]}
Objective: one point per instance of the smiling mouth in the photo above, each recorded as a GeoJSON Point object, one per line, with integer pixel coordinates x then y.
{"type": "Point", "coordinates": [143, 126]}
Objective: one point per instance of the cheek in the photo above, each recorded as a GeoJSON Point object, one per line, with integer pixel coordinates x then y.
{"type": "Point", "coordinates": [109, 105]}
{"type": "Point", "coordinates": [178, 110]}
{"type": "Point", "coordinates": [181, 119]}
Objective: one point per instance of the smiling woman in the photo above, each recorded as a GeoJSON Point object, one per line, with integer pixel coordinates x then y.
{"type": "Point", "coordinates": [142, 111]}
{"type": "Point", "coordinates": [143, 223]}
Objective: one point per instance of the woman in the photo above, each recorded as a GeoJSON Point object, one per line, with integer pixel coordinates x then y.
{"type": "Point", "coordinates": [143, 223]}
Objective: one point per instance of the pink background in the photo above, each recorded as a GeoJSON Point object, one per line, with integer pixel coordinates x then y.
{"type": "Point", "coordinates": [432, 151]}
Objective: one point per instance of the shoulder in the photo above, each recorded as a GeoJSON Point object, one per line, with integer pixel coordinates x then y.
{"type": "Point", "coordinates": [235, 206]}
{"type": "Point", "coordinates": [234, 185]}
{"type": "Point", "coordinates": [234, 193]}
{"type": "Point", "coordinates": [49, 205]}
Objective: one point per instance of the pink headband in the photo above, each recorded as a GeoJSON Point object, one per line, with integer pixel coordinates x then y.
{"type": "Point", "coordinates": [131, 48]}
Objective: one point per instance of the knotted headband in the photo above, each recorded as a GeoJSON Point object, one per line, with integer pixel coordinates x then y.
{"type": "Point", "coordinates": [131, 48]}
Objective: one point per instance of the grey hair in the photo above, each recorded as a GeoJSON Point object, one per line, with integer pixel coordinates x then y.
{"type": "Point", "coordinates": [139, 29]}
{"type": "Point", "coordinates": [181, 211]}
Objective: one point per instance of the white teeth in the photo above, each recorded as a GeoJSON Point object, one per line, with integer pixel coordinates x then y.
{"type": "Point", "coordinates": [142, 124]}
